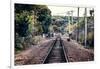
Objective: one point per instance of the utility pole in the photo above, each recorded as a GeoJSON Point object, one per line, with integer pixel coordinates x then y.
{"type": "Point", "coordinates": [68, 21]}
{"type": "Point", "coordinates": [77, 30]}
{"type": "Point", "coordinates": [85, 27]}
{"type": "Point", "coordinates": [72, 16]}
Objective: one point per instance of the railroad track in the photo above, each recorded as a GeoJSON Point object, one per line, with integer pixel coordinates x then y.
{"type": "Point", "coordinates": [56, 53]}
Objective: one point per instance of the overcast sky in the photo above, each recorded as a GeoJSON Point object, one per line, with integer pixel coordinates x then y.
{"type": "Point", "coordinates": [57, 10]}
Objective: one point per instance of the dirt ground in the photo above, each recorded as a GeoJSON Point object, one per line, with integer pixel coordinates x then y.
{"type": "Point", "coordinates": [33, 55]}
{"type": "Point", "coordinates": [77, 53]}
{"type": "Point", "coordinates": [36, 54]}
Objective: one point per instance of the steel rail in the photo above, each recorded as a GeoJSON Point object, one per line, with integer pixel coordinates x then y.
{"type": "Point", "coordinates": [51, 48]}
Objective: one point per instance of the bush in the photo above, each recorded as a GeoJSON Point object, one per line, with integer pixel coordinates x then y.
{"type": "Point", "coordinates": [36, 39]}
{"type": "Point", "coordinates": [90, 39]}
{"type": "Point", "coordinates": [18, 43]}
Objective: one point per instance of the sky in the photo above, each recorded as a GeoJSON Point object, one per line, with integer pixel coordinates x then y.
{"type": "Point", "coordinates": [62, 10]}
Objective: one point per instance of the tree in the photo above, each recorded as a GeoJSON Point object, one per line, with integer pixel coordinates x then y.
{"type": "Point", "coordinates": [21, 23]}
{"type": "Point", "coordinates": [91, 12]}
{"type": "Point", "coordinates": [45, 19]}
{"type": "Point", "coordinates": [27, 17]}
{"type": "Point", "coordinates": [42, 13]}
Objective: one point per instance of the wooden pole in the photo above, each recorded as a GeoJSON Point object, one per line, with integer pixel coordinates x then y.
{"type": "Point", "coordinates": [72, 17]}
{"type": "Point", "coordinates": [77, 30]}
{"type": "Point", "coordinates": [68, 22]}
{"type": "Point", "coordinates": [85, 27]}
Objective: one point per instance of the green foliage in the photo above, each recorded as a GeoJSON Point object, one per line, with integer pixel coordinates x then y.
{"type": "Point", "coordinates": [90, 39]}
{"type": "Point", "coordinates": [92, 12]}
{"type": "Point", "coordinates": [19, 8]}
{"type": "Point", "coordinates": [38, 28]}
{"type": "Point", "coordinates": [45, 19]}
{"type": "Point", "coordinates": [21, 23]}
{"type": "Point", "coordinates": [82, 38]}
{"type": "Point", "coordinates": [18, 43]}
{"type": "Point", "coordinates": [30, 19]}
{"type": "Point", "coordinates": [36, 39]}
